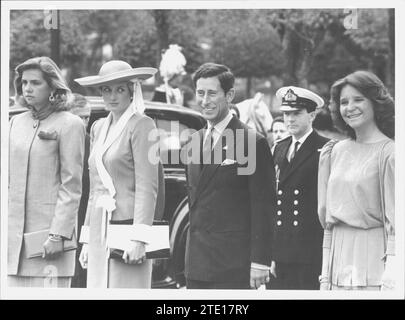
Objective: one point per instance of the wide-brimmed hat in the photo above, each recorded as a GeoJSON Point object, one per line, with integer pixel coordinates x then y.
{"type": "Point", "coordinates": [296, 98]}
{"type": "Point", "coordinates": [116, 71]}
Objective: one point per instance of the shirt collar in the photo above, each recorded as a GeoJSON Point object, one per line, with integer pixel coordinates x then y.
{"type": "Point", "coordinates": [302, 139]}
{"type": "Point", "coordinates": [220, 126]}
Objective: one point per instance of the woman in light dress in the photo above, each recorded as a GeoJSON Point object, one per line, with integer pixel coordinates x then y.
{"type": "Point", "coordinates": [356, 188]}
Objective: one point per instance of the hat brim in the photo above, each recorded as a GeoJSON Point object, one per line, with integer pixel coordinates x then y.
{"type": "Point", "coordinates": [121, 76]}
{"type": "Point", "coordinates": [289, 108]}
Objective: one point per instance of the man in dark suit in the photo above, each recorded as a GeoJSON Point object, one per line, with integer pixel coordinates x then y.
{"type": "Point", "coordinates": [231, 193]}
{"type": "Point", "coordinates": [297, 242]}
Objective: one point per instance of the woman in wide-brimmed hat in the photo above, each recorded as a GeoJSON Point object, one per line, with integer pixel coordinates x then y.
{"type": "Point", "coordinates": [124, 182]}
{"type": "Point", "coordinates": [45, 178]}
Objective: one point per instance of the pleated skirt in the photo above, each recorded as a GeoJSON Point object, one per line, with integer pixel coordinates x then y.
{"type": "Point", "coordinates": [357, 257]}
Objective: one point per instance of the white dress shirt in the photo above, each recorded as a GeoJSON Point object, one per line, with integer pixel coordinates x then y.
{"type": "Point", "coordinates": [219, 128]}
{"type": "Point", "coordinates": [300, 140]}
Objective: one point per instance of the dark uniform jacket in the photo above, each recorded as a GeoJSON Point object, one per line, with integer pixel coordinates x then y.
{"type": "Point", "coordinates": [230, 214]}
{"type": "Point", "coordinates": [298, 233]}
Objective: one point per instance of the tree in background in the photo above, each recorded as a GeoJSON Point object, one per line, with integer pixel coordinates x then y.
{"type": "Point", "coordinates": [27, 38]}
{"type": "Point", "coordinates": [298, 46]}
{"type": "Point", "coordinates": [375, 37]}
{"type": "Point", "coordinates": [246, 42]}
{"type": "Point", "coordinates": [320, 46]}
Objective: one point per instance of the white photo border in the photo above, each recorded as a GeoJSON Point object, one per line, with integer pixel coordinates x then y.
{"type": "Point", "coordinates": [163, 294]}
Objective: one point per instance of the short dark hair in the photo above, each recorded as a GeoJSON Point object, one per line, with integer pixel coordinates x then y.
{"type": "Point", "coordinates": [276, 119]}
{"type": "Point", "coordinates": [373, 89]}
{"type": "Point", "coordinates": [209, 69]}
{"type": "Point", "coordinates": [323, 120]}
{"type": "Point", "coordinates": [235, 108]}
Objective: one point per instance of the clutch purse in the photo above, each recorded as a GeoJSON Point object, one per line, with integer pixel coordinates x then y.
{"type": "Point", "coordinates": [34, 241]}
{"type": "Point", "coordinates": [158, 246]}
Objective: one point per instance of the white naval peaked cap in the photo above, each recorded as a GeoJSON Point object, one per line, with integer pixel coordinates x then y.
{"type": "Point", "coordinates": [296, 98]}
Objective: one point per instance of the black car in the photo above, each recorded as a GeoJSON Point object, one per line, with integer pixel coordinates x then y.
{"type": "Point", "coordinates": [172, 120]}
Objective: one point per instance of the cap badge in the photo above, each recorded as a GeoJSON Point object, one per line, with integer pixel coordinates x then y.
{"type": "Point", "coordinates": [290, 96]}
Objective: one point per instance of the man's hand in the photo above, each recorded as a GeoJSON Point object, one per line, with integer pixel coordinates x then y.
{"type": "Point", "coordinates": [52, 249]}
{"type": "Point", "coordinates": [258, 277]}
{"type": "Point", "coordinates": [135, 253]}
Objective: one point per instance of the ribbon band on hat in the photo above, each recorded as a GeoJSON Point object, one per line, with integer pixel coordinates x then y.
{"type": "Point", "coordinates": [138, 104]}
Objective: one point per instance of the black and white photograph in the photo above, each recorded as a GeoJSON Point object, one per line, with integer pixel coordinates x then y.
{"type": "Point", "coordinates": [202, 150]}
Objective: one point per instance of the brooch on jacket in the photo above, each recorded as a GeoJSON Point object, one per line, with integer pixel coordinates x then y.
{"type": "Point", "coordinates": [48, 135]}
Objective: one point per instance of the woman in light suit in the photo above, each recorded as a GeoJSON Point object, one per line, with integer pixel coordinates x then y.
{"type": "Point", "coordinates": [124, 179]}
{"type": "Point", "coordinates": [46, 148]}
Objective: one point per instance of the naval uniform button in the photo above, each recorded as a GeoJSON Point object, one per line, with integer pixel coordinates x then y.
{"type": "Point", "coordinates": [295, 212]}
{"type": "Point", "coordinates": [280, 192]}
{"type": "Point", "coordinates": [296, 191]}
{"type": "Point", "coordinates": [279, 202]}
{"type": "Point", "coordinates": [295, 202]}
{"type": "Point", "coordinates": [279, 212]}
{"type": "Point", "coordinates": [279, 222]}
{"type": "Point", "coordinates": [295, 223]}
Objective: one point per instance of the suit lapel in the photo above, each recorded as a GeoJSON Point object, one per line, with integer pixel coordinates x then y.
{"type": "Point", "coordinates": [280, 159]}
{"type": "Point", "coordinates": [194, 169]}
{"type": "Point", "coordinates": [208, 171]}
{"type": "Point", "coordinates": [117, 130]}
{"type": "Point", "coordinates": [308, 147]}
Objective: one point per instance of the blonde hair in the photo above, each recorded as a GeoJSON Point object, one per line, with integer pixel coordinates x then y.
{"type": "Point", "coordinates": [53, 77]}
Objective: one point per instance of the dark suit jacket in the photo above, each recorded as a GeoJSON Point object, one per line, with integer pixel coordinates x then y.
{"type": "Point", "coordinates": [298, 233]}
{"type": "Point", "coordinates": [230, 214]}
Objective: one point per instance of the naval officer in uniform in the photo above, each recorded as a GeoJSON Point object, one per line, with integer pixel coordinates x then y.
{"type": "Point", "coordinates": [297, 243]}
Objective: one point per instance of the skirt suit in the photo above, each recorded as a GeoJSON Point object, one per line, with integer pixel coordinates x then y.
{"type": "Point", "coordinates": [45, 181]}
{"type": "Point", "coordinates": [136, 180]}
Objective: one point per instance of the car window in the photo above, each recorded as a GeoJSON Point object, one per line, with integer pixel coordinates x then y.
{"type": "Point", "coordinates": [172, 137]}
{"type": "Point", "coordinates": [173, 134]}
